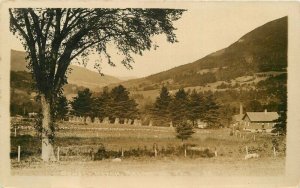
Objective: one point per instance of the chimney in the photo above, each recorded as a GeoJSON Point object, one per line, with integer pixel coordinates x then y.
{"type": "Point", "coordinates": [266, 111]}
{"type": "Point", "coordinates": [241, 108]}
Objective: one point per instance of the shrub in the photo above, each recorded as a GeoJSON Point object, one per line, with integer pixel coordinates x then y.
{"type": "Point", "coordinates": [29, 146]}
{"type": "Point", "coordinates": [24, 154]}
{"type": "Point", "coordinates": [138, 153]}
{"type": "Point", "coordinates": [101, 153]}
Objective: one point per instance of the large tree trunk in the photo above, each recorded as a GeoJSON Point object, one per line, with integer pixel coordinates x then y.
{"type": "Point", "coordinates": [47, 147]}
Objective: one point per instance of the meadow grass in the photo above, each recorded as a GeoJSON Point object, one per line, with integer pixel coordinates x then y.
{"type": "Point", "coordinates": [117, 137]}
{"type": "Point", "coordinates": [137, 143]}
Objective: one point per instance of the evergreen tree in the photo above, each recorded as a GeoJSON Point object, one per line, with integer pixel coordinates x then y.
{"type": "Point", "coordinates": [179, 106]}
{"type": "Point", "coordinates": [102, 105]}
{"type": "Point", "coordinates": [195, 107]}
{"type": "Point", "coordinates": [122, 106]}
{"type": "Point", "coordinates": [226, 113]}
{"type": "Point", "coordinates": [61, 107]}
{"type": "Point", "coordinates": [280, 126]}
{"type": "Point", "coordinates": [254, 106]}
{"type": "Point", "coordinates": [132, 111]}
{"type": "Point", "coordinates": [211, 116]}
{"type": "Point", "coordinates": [160, 111]}
{"type": "Point", "coordinates": [82, 103]}
{"type": "Point", "coordinates": [184, 131]}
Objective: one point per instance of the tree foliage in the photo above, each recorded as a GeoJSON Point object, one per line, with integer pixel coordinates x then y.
{"type": "Point", "coordinates": [280, 126]}
{"type": "Point", "coordinates": [186, 106]}
{"type": "Point", "coordinates": [82, 103]}
{"type": "Point", "coordinates": [184, 130]}
{"type": "Point", "coordinates": [122, 106]}
{"type": "Point", "coordinates": [160, 111]}
{"type": "Point", "coordinates": [196, 107]}
{"type": "Point", "coordinates": [179, 106]}
{"type": "Point", "coordinates": [212, 113]}
{"type": "Point", "coordinates": [254, 106]}
{"type": "Point", "coordinates": [61, 108]}
{"type": "Point", "coordinates": [102, 104]}
{"type": "Point", "coordinates": [112, 104]}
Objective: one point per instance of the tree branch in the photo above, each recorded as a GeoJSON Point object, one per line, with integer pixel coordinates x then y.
{"type": "Point", "coordinates": [18, 27]}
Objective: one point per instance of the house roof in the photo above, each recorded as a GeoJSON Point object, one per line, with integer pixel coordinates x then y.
{"type": "Point", "coordinates": [262, 116]}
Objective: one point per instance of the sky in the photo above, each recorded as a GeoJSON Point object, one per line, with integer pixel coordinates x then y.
{"type": "Point", "coordinates": [202, 30]}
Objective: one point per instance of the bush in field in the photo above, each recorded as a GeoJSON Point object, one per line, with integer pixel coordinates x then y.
{"type": "Point", "coordinates": [101, 153]}
{"type": "Point", "coordinates": [275, 143]}
{"type": "Point", "coordinates": [179, 151]}
{"type": "Point", "coordinates": [280, 144]}
{"type": "Point", "coordinates": [208, 153]}
{"type": "Point", "coordinates": [23, 154]}
{"type": "Point", "coordinates": [255, 149]}
{"type": "Point", "coordinates": [169, 150]}
{"type": "Point", "coordinates": [138, 153]}
{"type": "Point", "coordinates": [29, 146]}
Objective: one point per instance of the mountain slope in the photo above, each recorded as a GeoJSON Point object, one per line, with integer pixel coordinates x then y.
{"type": "Point", "coordinates": [90, 79]}
{"type": "Point", "coordinates": [79, 75]}
{"type": "Point", "coordinates": [262, 50]}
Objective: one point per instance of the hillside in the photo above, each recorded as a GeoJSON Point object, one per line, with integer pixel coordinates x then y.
{"type": "Point", "coordinates": [262, 50]}
{"type": "Point", "coordinates": [252, 70]}
{"type": "Point", "coordinates": [79, 76]}
{"type": "Point", "coordinates": [90, 79]}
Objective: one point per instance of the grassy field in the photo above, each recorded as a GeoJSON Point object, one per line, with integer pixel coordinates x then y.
{"type": "Point", "coordinates": [74, 140]}
{"type": "Point", "coordinates": [218, 166]}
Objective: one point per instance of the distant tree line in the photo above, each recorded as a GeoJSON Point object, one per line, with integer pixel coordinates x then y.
{"type": "Point", "coordinates": [112, 104]}
{"type": "Point", "coordinates": [185, 106]}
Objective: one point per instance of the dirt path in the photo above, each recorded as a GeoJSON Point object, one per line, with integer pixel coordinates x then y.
{"type": "Point", "coordinates": [142, 167]}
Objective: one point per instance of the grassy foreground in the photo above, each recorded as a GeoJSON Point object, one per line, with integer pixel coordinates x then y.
{"type": "Point", "coordinates": [156, 166]}
{"type": "Point", "coordinates": [75, 141]}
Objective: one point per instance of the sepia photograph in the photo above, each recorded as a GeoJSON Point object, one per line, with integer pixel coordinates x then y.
{"type": "Point", "coordinates": [198, 90]}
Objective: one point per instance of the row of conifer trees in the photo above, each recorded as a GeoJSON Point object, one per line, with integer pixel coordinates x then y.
{"type": "Point", "coordinates": [117, 103]}
{"type": "Point", "coordinates": [185, 106]}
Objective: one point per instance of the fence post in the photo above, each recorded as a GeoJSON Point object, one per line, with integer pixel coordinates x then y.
{"type": "Point", "coordinates": [15, 131]}
{"type": "Point", "coordinates": [216, 152]}
{"type": "Point", "coordinates": [122, 151]}
{"type": "Point", "coordinates": [58, 153]}
{"type": "Point", "coordinates": [254, 137]}
{"type": "Point", "coordinates": [155, 151]}
{"type": "Point", "coordinates": [247, 150]}
{"type": "Point", "coordinates": [274, 151]}
{"type": "Point", "coordinates": [19, 153]}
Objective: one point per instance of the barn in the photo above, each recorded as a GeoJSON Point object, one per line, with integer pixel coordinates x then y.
{"type": "Point", "coordinates": [259, 121]}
